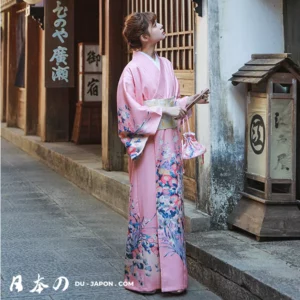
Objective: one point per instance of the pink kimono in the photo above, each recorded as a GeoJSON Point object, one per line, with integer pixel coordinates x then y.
{"type": "Point", "coordinates": [155, 249]}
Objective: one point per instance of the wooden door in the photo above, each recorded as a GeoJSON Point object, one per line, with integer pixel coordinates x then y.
{"type": "Point", "coordinates": [177, 16]}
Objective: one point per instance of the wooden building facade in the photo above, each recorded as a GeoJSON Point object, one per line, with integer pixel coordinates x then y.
{"type": "Point", "coordinates": [27, 100]}
{"type": "Point", "coordinates": [32, 101]}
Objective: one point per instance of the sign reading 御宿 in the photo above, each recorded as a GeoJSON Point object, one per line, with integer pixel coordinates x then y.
{"type": "Point", "coordinates": [90, 73]}
{"type": "Point", "coordinates": [59, 43]}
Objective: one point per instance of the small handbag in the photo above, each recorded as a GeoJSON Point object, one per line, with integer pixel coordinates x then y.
{"type": "Point", "coordinates": [190, 146]}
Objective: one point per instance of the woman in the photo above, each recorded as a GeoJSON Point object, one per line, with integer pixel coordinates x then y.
{"type": "Point", "coordinates": [149, 105]}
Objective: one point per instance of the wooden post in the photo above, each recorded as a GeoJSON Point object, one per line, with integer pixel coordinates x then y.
{"type": "Point", "coordinates": [3, 66]}
{"type": "Point", "coordinates": [113, 64]}
{"type": "Point", "coordinates": [31, 75]}
{"type": "Point", "coordinates": [56, 115]}
{"type": "Point", "coordinates": [12, 100]}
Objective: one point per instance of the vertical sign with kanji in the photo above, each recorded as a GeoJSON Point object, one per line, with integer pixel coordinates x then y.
{"type": "Point", "coordinates": [59, 43]}
{"type": "Point", "coordinates": [90, 73]}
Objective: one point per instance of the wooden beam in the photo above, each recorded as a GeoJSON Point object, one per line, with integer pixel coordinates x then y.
{"type": "Point", "coordinates": [271, 56]}
{"type": "Point", "coordinates": [42, 90]}
{"type": "Point", "coordinates": [273, 61]}
{"type": "Point", "coordinates": [245, 80]}
{"type": "Point", "coordinates": [4, 31]}
{"type": "Point", "coordinates": [256, 68]}
{"type": "Point", "coordinates": [12, 105]}
{"type": "Point", "coordinates": [102, 27]}
{"type": "Point", "coordinates": [258, 74]}
{"type": "Point", "coordinates": [290, 69]}
{"type": "Point", "coordinates": [31, 75]}
{"type": "Point", "coordinates": [113, 64]}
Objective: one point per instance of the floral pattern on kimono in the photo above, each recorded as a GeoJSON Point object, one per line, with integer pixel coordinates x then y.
{"type": "Point", "coordinates": [129, 133]}
{"type": "Point", "coordinates": [138, 243]}
{"type": "Point", "coordinates": [155, 256]}
{"type": "Point", "coordinates": [169, 177]}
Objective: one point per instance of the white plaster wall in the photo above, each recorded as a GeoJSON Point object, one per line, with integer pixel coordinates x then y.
{"type": "Point", "coordinates": [244, 27]}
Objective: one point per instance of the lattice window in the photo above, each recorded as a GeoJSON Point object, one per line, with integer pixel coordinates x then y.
{"type": "Point", "coordinates": [177, 16]}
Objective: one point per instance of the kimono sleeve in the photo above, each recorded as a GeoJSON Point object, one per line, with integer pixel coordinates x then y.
{"type": "Point", "coordinates": [182, 102]}
{"type": "Point", "coordinates": [136, 122]}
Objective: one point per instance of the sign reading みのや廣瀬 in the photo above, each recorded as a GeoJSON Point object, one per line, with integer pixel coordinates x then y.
{"type": "Point", "coordinates": [59, 43]}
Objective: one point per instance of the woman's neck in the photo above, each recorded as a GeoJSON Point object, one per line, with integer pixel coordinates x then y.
{"type": "Point", "coordinates": [150, 50]}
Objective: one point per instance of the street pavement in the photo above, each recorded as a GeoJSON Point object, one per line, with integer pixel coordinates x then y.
{"type": "Point", "coordinates": [53, 233]}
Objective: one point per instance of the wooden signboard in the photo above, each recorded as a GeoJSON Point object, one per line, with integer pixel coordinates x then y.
{"type": "Point", "coordinates": [256, 136]}
{"type": "Point", "coordinates": [87, 123]}
{"type": "Point", "coordinates": [90, 73]}
{"type": "Point", "coordinates": [59, 39]}
{"type": "Point", "coordinates": [282, 139]}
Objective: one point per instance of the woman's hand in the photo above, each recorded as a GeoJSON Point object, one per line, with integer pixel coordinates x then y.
{"type": "Point", "coordinates": [198, 98]}
{"type": "Point", "coordinates": [175, 112]}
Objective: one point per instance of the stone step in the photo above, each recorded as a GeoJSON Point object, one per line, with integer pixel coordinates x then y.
{"type": "Point", "coordinates": [83, 167]}
{"type": "Point", "coordinates": [195, 220]}
{"type": "Point", "coordinates": [236, 267]}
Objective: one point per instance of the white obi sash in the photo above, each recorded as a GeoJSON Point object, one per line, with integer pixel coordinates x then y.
{"type": "Point", "coordinates": [167, 122]}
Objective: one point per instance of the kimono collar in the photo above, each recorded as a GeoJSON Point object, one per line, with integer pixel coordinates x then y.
{"type": "Point", "coordinates": [155, 61]}
{"type": "Point", "coordinates": [141, 55]}
{"type": "Point", "coordinates": [150, 69]}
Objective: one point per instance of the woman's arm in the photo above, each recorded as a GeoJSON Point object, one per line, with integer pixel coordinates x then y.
{"type": "Point", "coordinates": [176, 112]}
{"type": "Point", "coordinates": [201, 98]}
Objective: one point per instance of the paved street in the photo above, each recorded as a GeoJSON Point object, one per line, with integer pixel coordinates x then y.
{"type": "Point", "coordinates": [52, 228]}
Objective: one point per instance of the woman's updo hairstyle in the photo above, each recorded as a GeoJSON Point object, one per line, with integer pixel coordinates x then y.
{"type": "Point", "coordinates": [135, 25]}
